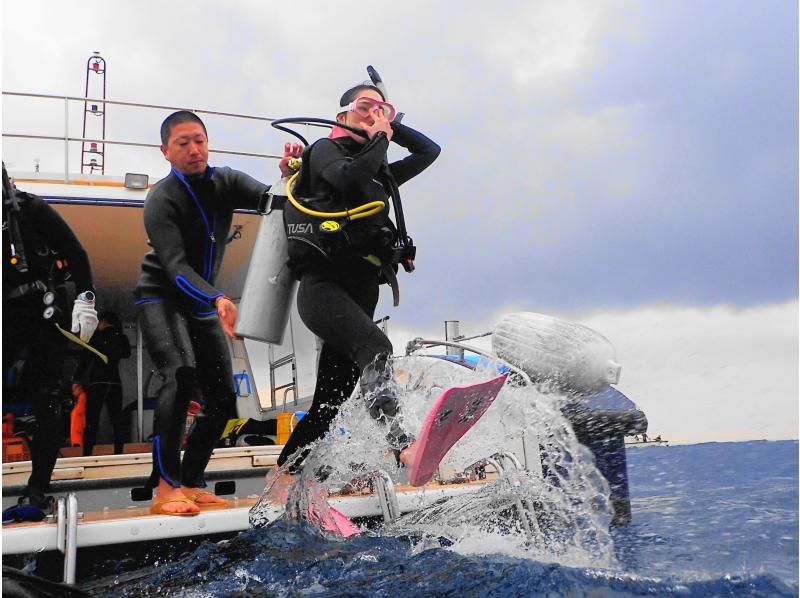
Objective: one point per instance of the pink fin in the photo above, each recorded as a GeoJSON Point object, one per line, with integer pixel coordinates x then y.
{"type": "Point", "coordinates": [333, 521]}
{"type": "Point", "coordinates": [343, 524]}
{"type": "Point", "coordinates": [454, 413]}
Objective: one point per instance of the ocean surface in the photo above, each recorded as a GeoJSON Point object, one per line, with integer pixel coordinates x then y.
{"type": "Point", "coordinates": [715, 519]}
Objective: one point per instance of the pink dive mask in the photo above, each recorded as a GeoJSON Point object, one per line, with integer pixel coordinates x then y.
{"type": "Point", "coordinates": [363, 106]}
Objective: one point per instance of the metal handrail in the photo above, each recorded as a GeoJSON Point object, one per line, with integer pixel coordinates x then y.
{"type": "Point", "coordinates": [418, 343]}
{"type": "Point", "coordinates": [134, 104]}
{"type": "Point", "coordinates": [287, 388]}
{"type": "Point", "coordinates": [134, 144]}
{"type": "Point", "coordinates": [66, 138]}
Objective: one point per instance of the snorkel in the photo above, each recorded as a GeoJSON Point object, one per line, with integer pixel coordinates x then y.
{"type": "Point", "coordinates": [338, 129]}
{"type": "Point", "coordinates": [377, 82]}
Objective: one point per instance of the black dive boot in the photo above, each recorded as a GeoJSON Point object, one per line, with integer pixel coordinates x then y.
{"type": "Point", "coordinates": [379, 393]}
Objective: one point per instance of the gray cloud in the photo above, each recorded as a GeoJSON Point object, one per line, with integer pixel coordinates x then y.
{"type": "Point", "coordinates": [597, 157]}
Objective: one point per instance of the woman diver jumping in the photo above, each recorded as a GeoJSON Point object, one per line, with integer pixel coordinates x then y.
{"type": "Point", "coordinates": [341, 262]}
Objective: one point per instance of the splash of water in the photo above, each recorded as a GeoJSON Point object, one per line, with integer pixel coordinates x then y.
{"type": "Point", "coordinates": [556, 510]}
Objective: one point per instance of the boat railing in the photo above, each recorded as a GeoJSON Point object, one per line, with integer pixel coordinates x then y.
{"type": "Point", "coordinates": [67, 138]}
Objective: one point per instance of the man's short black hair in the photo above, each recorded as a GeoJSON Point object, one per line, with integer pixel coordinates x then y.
{"type": "Point", "coordinates": [354, 92]}
{"type": "Point", "coordinates": [177, 118]}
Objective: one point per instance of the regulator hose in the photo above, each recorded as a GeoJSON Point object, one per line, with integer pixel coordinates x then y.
{"type": "Point", "coordinates": [362, 211]}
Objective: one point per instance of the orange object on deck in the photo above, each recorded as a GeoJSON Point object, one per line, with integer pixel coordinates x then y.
{"type": "Point", "coordinates": [77, 420]}
{"type": "Point", "coordinates": [286, 423]}
{"type": "Point", "coordinates": [15, 449]}
{"type": "Point", "coordinates": [8, 425]}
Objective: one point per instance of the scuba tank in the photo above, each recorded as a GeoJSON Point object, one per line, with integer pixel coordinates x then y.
{"type": "Point", "coordinates": [269, 286]}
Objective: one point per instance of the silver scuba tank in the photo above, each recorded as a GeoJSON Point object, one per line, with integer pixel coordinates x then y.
{"type": "Point", "coordinates": [269, 286]}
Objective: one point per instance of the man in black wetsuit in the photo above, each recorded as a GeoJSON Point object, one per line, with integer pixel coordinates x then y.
{"type": "Point", "coordinates": [40, 252]}
{"type": "Point", "coordinates": [183, 316]}
{"type": "Point", "coordinates": [102, 382]}
{"type": "Point", "coordinates": [340, 273]}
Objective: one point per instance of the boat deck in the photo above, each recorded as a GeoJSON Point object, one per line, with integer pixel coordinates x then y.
{"type": "Point", "coordinates": [106, 481]}
{"type": "Point", "coordinates": [136, 524]}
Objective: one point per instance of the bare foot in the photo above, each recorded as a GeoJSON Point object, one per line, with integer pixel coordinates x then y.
{"type": "Point", "coordinates": [171, 501]}
{"type": "Point", "coordinates": [203, 498]}
{"type": "Point", "coordinates": [407, 454]}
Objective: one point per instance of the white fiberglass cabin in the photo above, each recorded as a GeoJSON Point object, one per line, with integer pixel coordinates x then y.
{"type": "Point", "coordinates": [105, 212]}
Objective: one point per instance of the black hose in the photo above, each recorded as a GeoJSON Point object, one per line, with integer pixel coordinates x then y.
{"type": "Point", "coordinates": [306, 120]}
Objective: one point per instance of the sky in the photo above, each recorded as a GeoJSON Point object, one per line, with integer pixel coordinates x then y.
{"type": "Point", "coordinates": [632, 166]}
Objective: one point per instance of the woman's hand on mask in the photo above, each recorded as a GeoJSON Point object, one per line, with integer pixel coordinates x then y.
{"type": "Point", "coordinates": [379, 123]}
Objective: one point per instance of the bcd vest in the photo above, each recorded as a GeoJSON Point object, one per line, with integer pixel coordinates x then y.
{"type": "Point", "coordinates": [320, 239]}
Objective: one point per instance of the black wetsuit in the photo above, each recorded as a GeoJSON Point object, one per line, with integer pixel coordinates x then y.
{"type": "Point", "coordinates": [338, 288]}
{"type": "Point", "coordinates": [47, 241]}
{"type": "Point", "coordinates": [187, 223]}
{"type": "Point", "coordinates": [103, 385]}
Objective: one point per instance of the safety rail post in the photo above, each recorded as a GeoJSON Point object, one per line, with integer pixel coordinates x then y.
{"type": "Point", "coordinates": [66, 139]}
{"type": "Point", "coordinates": [452, 333]}
{"type": "Point", "coordinates": [139, 384]}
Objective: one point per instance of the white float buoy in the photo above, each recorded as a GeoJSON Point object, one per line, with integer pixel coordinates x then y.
{"type": "Point", "coordinates": [571, 356]}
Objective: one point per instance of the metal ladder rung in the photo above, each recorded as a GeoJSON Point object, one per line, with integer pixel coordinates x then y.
{"type": "Point", "coordinates": [274, 364]}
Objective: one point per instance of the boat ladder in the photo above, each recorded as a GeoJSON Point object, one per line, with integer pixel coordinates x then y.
{"type": "Point", "coordinates": [67, 534]}
{"type": "Point", "coordinates": [508, 467]}
{"type": "Point", "coordinates": [384, 488]}
{"type": "Point", "coordinates": [288, 359]}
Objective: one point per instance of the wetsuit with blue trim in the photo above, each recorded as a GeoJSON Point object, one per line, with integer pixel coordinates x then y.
{"type": "Point", "coordinates": [339, 283]}
{"type": "Point", "coordinates": [187, 220]}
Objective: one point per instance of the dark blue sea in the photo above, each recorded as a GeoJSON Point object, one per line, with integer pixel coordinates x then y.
{"type": "Point", "coordinates": [715, 519]}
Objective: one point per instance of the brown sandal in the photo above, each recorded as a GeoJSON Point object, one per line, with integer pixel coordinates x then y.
{"type": "Point", "coordinates": [206, 505]}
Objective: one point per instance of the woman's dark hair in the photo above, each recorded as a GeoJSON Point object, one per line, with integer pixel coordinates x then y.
{"type": "Point", "coordinates": [352, 93]}
{"type": "Point", "coordinates": [177, 118]}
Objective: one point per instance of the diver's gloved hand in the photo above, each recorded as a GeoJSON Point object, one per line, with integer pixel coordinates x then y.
{"type": "Point", "coordinates": [84, 316]}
